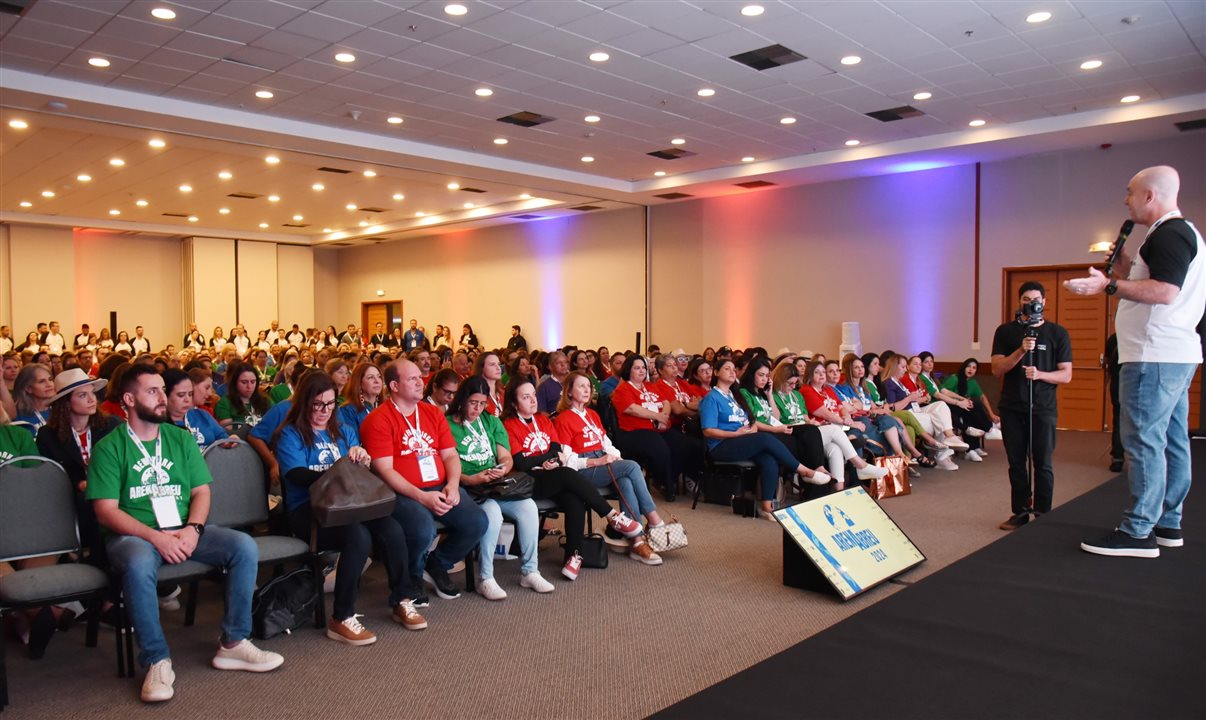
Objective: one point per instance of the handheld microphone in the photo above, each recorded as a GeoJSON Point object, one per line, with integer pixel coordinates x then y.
{"type": "Point", "coordinates": [1123, 234]}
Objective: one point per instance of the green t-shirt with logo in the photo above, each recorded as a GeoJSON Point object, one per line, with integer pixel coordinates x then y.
{"type": "Point", "coordinates": [118, 471]}
{"type": "Point", "coordinates": [225, 410]}
{"type": "Point", "coordinates": [951, 382]}
{"type": "Point", "coordinates": [759, 406]}
{"type": "Point", "coordinates": [478, 449]}
{"type": "Point", "coordinates": [16, 441]}
{"type": "Point", "coordinates": [791, 407]}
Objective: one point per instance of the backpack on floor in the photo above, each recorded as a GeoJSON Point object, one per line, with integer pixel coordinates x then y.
{"type": "Point", "coordinates": [284, 603]}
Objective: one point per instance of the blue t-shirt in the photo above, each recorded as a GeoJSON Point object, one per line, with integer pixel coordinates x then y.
{"type": "Point", "coordinates": [608, 386]}
{"type": "Point", "coordinates": [271, 421]}
{"type": "Point", "coordinates": [720, 412]}
{"type": "Point", "coordinates": [206, 431]}
{"type": "Point", "coordinates": [349, 416]}
{"type": "Point", "coordinates": [32, 422]}
{"type": "Point", "coordinates": [845, 392]}
{"type": "Point", "coordinates": [291, 453]}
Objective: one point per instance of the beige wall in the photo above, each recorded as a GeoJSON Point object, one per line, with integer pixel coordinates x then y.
{"type": "Point", "coordinates": [137, 277]}
{"type": "Point", "coordinates": [567, 280]}
{"type": "Point", "coordinates": [42, 276]}
{"type": "Point", "coordinates": [326, 289]}
{"type": "Point", "coordinates": [212, 268]}
{"type": "Point", "coordinates": [676, 276]}
{"type": "Point", "coordinates": [295, 286]}
{"type": "Point", "coordinates": [257, 264]}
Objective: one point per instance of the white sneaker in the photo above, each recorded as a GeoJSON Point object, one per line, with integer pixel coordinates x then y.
{"type": "Point", "coordinates": [946, 464]}
{"type": "Point", "coordinates": [981, 453]}
{"type": "Point", "coordinates": [870, 472]}
{"type": "Point", "coordinates": [170, 603]}
{"type": "Point", "coordinates": [955, 443]}
{"type": "Point", "coordinates": [943, 454]}
{"type": "Point", "coordinates": [818, 477]}
{"type": "Point", "coordinates": [246, 656]}
{"type": "Point", "coordinates": [994, 434]}
{"type": "Point", "coordinates": [490, 590]}
{"type": "Point", "coordinates": [972, 456]}
{"type": "Point", "coordinates": [157, 686]}
{"type": "Point", "coordinates": [973, 432]}
{"type": "Point", "coordinates": [534, 581]}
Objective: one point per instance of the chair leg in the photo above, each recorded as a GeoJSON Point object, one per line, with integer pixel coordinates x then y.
{"type": "Point", "coordinates": [470, 574]}
{"type": "Point", "coordinates": [320, 607]}
{"type": "Point", "coordinates": [3, 669]}
{"type": "Point", "coordinates": [190, 607]}
{"type": "Point", "coordinates": [94, 609]}
{"type": "Point", "coordinates": [127, 634]}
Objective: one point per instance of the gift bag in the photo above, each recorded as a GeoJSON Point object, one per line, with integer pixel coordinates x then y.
{"type": "Point", "coordinates": [895, 483]}
{"type": "Point", "coordinates": [506, 536]}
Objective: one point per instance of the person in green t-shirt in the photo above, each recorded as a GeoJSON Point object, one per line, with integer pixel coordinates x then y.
{"type": "Point", "coordinates": [243, 402]}
{"type": "Point", "coordinates": [150, 488]}
{"type": "Point", "coordinates": [971, 410]}
{"type": "Point", "coordinates": [485, 452]}
{"type": "Point", "coordinates": [15, 441]}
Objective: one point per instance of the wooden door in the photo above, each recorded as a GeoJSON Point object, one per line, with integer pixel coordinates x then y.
{"type": "Point", "coordinates": [375, 313]}
{"type": "Point", "coordinates": [1083, 403]}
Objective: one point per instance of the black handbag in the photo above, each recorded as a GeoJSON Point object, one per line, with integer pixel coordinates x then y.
{"type": "Point", "coordinates": [594, 551]}
{"type": "Point", "coordinates": [516, 486]}
{"type": "Point", "coordinates": [284, 604]}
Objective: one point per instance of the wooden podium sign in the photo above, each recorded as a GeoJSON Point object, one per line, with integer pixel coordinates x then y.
{"type": "Point", "coordinates": [843, 543]}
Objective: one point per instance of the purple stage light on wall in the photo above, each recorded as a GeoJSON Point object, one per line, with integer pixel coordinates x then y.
{"type": "Point", "coordinates": [547, 240]}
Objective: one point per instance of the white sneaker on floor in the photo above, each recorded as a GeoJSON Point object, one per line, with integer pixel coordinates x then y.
{"type": "Point", "coordinates": [994, 434]}
{"type": "Point", "coordinates": [943, 454]}
{"type": "Point", "coordinates": [490, 590]}
{"type": "Point", "coordinates": [980, 452]}
{"type": "Point", "coordinates": [534, 581]}
{"type": "Point", "coordinates": [170, 603]}
{"type": "Point", "coordinates": [955, 443]}
{"type": "Point", "coordinates": [973, 432]}
{"type": "Point", "coordinates": [946, 464]}
{"type": "Point", "coordinates": [870, 472]}
{"type": "Point", "coordinates": [246, 656]}
{"type": "Point", "coordinates": [157, 686]}
{"type": "Point", "coordinates": [972, 456]}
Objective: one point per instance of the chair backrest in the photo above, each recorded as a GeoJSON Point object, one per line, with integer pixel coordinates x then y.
{"type": "Point", "coordinates": [238, 495]}
{"type": "Point", "coordinates": [37, 509]}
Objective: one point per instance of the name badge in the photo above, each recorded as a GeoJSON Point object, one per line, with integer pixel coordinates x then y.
{"type": "Point", "coordinates": [167, 514]}
{"type": "Point", "coordinates": [652, 406]}
{"type": "Point", "coordinates": [427, 468]}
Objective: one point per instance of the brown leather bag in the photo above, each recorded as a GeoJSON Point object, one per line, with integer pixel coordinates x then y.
{"type": "Point", "coordinates": [895, 483]}
{"type": "Point", "coordinates": [349, 493]}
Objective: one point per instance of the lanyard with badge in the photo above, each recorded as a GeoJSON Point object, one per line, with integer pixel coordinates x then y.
{"type": "Point", "coordinates": [593, 432]}
{"type": "Point", "coordinates": [167, 513]}
{"type": "Point", "coordinates": [736, 414]}
{"type": "Point", "coordinates": [480, 436]}
{"type": "Point", "coordinates": [84, 445]}
{"type": "Point", "coordinates": [535, 436]}
{"type": "Point", "coordinates": [428, 471]}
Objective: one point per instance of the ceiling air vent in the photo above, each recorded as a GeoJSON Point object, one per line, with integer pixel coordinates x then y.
{"type": "Point", "coordinates": [183, 215]}
{"type": "Point", "coordinates": [671, 153]}
{"type": "Point", "coordinates": [244, 196]}
{"type": "Point", "coordinates": [1191, 125]}
{"type": "Point", "coordinates": [673, 196]}
{"type": "Point", "coordinates": [14, 7]}
{"type": "Point", "coordinates": [377, 240]}
{"type": "Point", "coordinates": [587, 208]}
{"type": "Point", "coordinates": [898, 113]}
{"type": "Point", "coordinates": [372, 209]}
{"type": "Point", "coordinates": [337, 171]}
{"type": "Point", "coordinates": [295, 225]}
{"type": "Point", "coordinates": [771, 56]}
{"type": "Point", "coordinates": [755, 184]}
{"type": "Point", "coordinates": [472, 190]}
{"type": "Point", "coordinates": [528, 217]}
{"type": "Point", "coordinates": [341, 244]}
{"type": "Point", "coordinates": [526, 119]}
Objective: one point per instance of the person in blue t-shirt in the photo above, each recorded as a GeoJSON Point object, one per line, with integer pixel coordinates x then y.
{"type": "Point", "coordinates": [311, 440]}
{"type": "Point", "coordinates": [362, 394]}
{"type": "Point", "coordinates": [204, 428]}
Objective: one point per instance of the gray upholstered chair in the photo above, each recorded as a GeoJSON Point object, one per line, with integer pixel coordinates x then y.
{"type": "Point", "coordinates": [37, 519]}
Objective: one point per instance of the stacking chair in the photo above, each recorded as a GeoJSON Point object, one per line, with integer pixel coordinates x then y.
{"type": "Point", "coordinates": [37, 519]}
{"type": "Point", "coordinates": [739, 471]}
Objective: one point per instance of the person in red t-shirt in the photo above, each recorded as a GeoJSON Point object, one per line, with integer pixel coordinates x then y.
{"type": "Point", "coordinates": [645, 433]}
{"type": "Point", "coordinates": [536, 449]}
{"type": "Point", "coordinates": [414, 453]}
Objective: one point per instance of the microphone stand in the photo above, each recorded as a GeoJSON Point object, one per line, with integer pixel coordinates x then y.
{"type": "Point", "coordinates": [1030, 333]}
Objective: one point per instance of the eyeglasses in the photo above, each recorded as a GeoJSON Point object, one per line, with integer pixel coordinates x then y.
{"type": "Point", "coordinates": [448, 391]}
{"type": "Point", "coordinates": [322, 406]}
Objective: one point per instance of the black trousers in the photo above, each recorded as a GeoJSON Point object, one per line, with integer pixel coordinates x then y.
{"type": "Point", "coordinates": [354, 543]}
{"type": "Point", "coordinates": [805, 445]}
{"type": "Point", "coordinates": [977, 417]}
{"type": "Point", "coordinates": [573, 494]}
{"type": "Point", "coordinates": [1015, 431]}
{"type": "Point", "coordinates": [665, 455]}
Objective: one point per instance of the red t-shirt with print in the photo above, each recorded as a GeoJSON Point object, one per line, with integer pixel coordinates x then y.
{"type": "Point", "coordinates": [582, 435]}
{"type": "Point", "coordinates": [626, 395]}
{"type": "Point", "coordinates": [386, 433]}
{"type": "Point", "coordinates": [533, 438]}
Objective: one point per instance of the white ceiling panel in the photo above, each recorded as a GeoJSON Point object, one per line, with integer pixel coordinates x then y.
{"type": "Point", "coordinates": [553, 12]}
{"type": "Point", "coordinates": [81, 18]}
{"type": "Point", "coordinates": [602, 27]}
{"type": "Point", "coordinates": [321, 27]}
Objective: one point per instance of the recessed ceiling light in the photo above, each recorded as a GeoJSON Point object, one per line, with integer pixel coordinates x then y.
{"type": "Point", "coordinates": [483, 92]}
{"type": "Point", "coordinates": [115, 212]}
{"type": "Point", "coordinates": [48, 193]}
{"type": "Point", "coordinates": [263, 225]}
{"type": "Point", "coordinates": [350, 206]}
{"type": "Point", "coordinates": [84, 177]}
{"type": "Point", "coordinates": [99, 62]}
{"type": "Point", "coordinates": [345, 57]}
{"type": "Point", "coordinates": [599, 57]}
{"type": "Point", "coordinates": [525, 196]}
{"type": "Point", "coordinates": [116, 162]}
{"type": "Point", "coordinates": [163, 13]}
{"type": "Point", "coordinates": [298, 218]}
{"type": "Point", "coordinates": [393, 120]}
{"type": "Point", "coordinates": [18, 124]}
{"type": "Point", "coordinates": [363, 223]}
{"type": "Point", "coordinates": [588, 158]}
{"type": "Point", "coordinates": [318, 186]}
{"type": "Point", "coordinates": [420, 214]}
{"type": "Point", "coordinates": [193, 218]}
{"type": "Point", "coordinates": [851, 60]}
{"type": "Point", "coordinates": [469, 206]}
{"type": "Point", "coordinates": [225, 175]}
{"type": "Point", "coordinates": [223, 211]}
{"type": "Point", "coordinates": [1038, 17]}
{"type": "Point", "coordinates": [274, 198]}
{"type": "Point", "coordinates": [1091, 64]}
{"type": "Point", "coordinates": [264, 94]}
{"type": "Point", "coordinates": [370, 173]}
{"type": "Point", "coordinates": [851, 143]}
{"type": "Point", "coordinates": [787, 121]}
{"type": "Point", "coordinates": [186, 188]}
{"type": "Point", "coordinates": [923, 96]}
{"type": "Point", "coordinates": [678, 141]}
{"type": "Point", "coordinates": [454, 186]}
{"type": "Point", "coordinates": [1130, 99]}
{"type": "Point", "coordinates": [748, 158]}
{"type": "Point", "coordinates": [272, 160]}
{"type": "Point", "coordinates": [141, 203]}
{"type": "Point", "coordinates": [705, 92]}
{"type": "Point", "coordinates": [455, 9]}
{"type": "Point", "coordinates": [591, 119]}
{"type": "Point", "coordinates": [26, 204]}
{"type": "Point", "coordinates": [500, 141]}
{"type": "Point", "coordinates": [660, 173]}
{"type": "Point", "coordinates": [327, 230]}
{"type": "Point", "coordinates": [752, 10]}
{"type": "Point", "coordinates": [156, 143]}
{"type": "Point", "coordinates": [399, 196]}
{"type": "Point", "coordinates": [976, 123]}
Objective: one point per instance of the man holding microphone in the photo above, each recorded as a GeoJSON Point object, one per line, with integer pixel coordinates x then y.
{"type": "Point", "coordinates": [1161, 301]}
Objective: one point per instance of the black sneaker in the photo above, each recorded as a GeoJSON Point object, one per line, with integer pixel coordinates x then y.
{"type": "Point", "coordinates": [1016, 521]}
{"type": "Point", "coordinates": [420, 598]}
{"type": "Point", "coordinates": [1168, 537]}
{"type": "Point", "coordinates": [437, 577]}
{"type": "Point", "coordinates": [1119, 544]}
{"type": "Point", "coordinates": [1116, 466]}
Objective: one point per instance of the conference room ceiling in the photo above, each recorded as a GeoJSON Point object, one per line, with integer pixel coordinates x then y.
{"type": "Point", "coordinates": [193, 80]}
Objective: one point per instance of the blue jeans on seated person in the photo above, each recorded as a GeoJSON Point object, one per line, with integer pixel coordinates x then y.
{"type": "Point", "coordinates": [764, 451]}
{"type": "Point", "coordinates": [1155, 434]}
{"type": "Point", "coordinates": [138, 562]}
{"type": "Point", "coordinates": [465, 524]}
{"type": "Point", "coordinates": [527, 527]}
{"type": "Point", "coordinates": [633, 490]}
